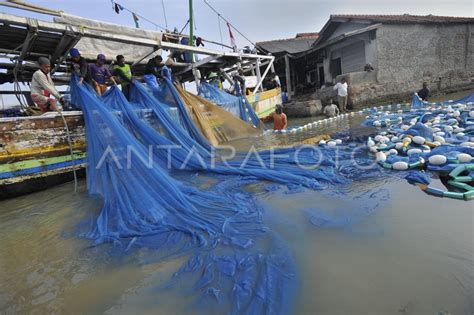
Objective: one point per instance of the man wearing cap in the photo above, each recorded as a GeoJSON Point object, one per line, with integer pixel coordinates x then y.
{"type": "Point", "coordinates": [79, 65]}
{"type": "Point", "coordinates": [42, 87]}
{"type": "Point", "coordinates": [99, 74]}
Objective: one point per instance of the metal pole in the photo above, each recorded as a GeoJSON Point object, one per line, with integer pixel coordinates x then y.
{"type": "Point", "coordinates": [191, 27]}
{"type": "Point", "coordinates": [259, 76]}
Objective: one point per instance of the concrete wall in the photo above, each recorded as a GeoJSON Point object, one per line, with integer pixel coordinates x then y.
{"type": "Point", "coordinates": [405, 56]}
{"type": "Point", "coordinates": [408, 55]}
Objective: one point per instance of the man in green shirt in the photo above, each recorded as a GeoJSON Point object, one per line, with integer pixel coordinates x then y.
{"type": "Point", "coordinates": [124, 73]}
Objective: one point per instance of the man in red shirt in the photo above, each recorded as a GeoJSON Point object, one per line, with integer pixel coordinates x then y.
{"type": "Point", "coordinates": [279, 118]}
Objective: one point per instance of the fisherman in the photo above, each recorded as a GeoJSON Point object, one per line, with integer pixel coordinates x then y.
{"type": "Point", "coordinates": [79, 65]}
{"type": "Point", "coordinates": [239, 83]}
{"type": "Point", "coordinates": [42, 87]}
{"type": "Point", "coordinates": [99, 74]}
{"type": "Point", "coordinates": [213, 79]}
{"type": "Point", "coordinates": [279, 118]}
{"type": "Point", "coordinates": [331, 109]}
{"type": "Point", "coordinates": [341, 88]}
{"type": "Point", "coordinates": [424, 93]}
{"type": "Point", "coordinates": [152, 71]}
{"type": "Point", "coordinates": [124, 73]}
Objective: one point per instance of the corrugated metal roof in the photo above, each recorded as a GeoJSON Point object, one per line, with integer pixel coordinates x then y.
{"type": "Point", "coordinates": [291, 45]}
{"type": "Point", "coordinates": [404, 18]}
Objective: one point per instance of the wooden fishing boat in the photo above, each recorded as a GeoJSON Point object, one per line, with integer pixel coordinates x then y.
{"type": "Point", "coordinates": [35, 152]}
{"type": "Point", "coordinates": [264, 102]}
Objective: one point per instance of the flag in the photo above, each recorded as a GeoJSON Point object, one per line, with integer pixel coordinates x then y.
{"type": "Point", "coordinates": [135, 19]}
{"type": "Point", "coordinates": [117, 8]}
{"type": "Point", "coordinates": [232, 39]}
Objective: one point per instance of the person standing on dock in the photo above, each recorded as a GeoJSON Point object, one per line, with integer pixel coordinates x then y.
{"type": "Point", "coordinates": [99, 74]}
{"type": "Point", "coordinates": [79, 65]}
{"type": "Point", "coordinates": [331, 110]}
{"type": "Point", "coordinates": [279, 118]}
{"type": "Point", "coordinates": [152, 71]}
{"type": "Point", "coordinates": [341, 88]}
{"type": "Point", "coordinates": [42, 87]}
{"type": "Point", "coordinates": [424, 93]}
{"type": "Point", "coordinates": [125, 75]}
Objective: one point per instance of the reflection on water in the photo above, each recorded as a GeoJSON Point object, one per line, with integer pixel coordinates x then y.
{"type": "Point", "coordinates": [415, 255]}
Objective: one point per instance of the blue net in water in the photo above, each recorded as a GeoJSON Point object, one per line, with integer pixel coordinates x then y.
{"type": "Point", "coordinates": [145, 207]}
{"type": "Point", "coordinates": [239, 266]}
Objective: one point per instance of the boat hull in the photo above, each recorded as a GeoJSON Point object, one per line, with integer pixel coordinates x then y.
{"type": "Point", "coordinates": [35, 152]}
{"type": "Point", "coordinates": [264, 103]}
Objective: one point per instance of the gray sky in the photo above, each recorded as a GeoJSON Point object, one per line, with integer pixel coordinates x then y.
{"type": "Point", "coordinates": [257, 19]}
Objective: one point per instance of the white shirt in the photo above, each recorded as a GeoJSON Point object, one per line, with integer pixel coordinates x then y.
{"type": "Point", "coordinates": [341, 89]}
{"type": "Point", "coordinates": [41, 82]}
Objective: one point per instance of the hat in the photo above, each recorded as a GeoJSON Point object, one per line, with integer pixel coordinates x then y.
{"type": "Point", "coordinates": [212, 75]}
{"type": "Point", "coordinates": [43, 61]}
{"type": "Point", "coordinates": [74, 52]}
{"type": "Point", "coordinates": [101, 57]}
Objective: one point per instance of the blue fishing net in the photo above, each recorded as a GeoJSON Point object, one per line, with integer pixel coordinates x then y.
{"type": "Point", "coordinates": [234, 263]}
{"type": "Point", "coordinates": [145, 207]}
{"type": "Point", "coordinates": [239, 106]}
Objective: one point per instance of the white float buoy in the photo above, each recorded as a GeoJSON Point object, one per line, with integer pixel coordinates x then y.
{"type": "Point", "coordinates": [437, 159]}
{"type": "Point", "coordinates": [464, 158]}
{"type": "Point", "coordinates": [439, 139]}
{"type": "Point", "coordinates": [378, 138]}
{"type": "Point", "coordinates": [418, 140]}
{"type": "Point", "coordinates": [338, 141]}
{"type": "Point", "coordinates": [380, 156]}
{"type": "Point", "coordinates": [331, 143]}
{"type": "Point", "coordinates": [400, 166]}
{"type": "Point", "coordinates": [398, 145]}
{"type": "Point", "coordinates": [393, 151]}
{"type": "Point", "coordinates": [322, 142]}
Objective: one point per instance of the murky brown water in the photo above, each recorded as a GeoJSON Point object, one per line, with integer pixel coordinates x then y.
{"type": "Point", "coordinates": [413, 256]}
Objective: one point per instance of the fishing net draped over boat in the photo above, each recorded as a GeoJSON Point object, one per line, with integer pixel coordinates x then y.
{"type": "Point", "coordinates": [239, 106]}
{"type": "Point", "coordinates": [237, 264]}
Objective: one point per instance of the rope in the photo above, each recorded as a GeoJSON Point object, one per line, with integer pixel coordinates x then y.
{"type": "Point", "coordinates": [215, 11]}
{"type": "Point", "coordinates": [220, 28]}
{"type": "Point", "coordinates": [70, 149]}
{"type": "Point", "coordinates": [140, 16]}
{"type": "Point", "coordinates": [164, 12]}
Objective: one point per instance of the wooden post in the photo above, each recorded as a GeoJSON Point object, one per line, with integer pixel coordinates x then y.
{"type": "Point", "coordinates": [288, 77]}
